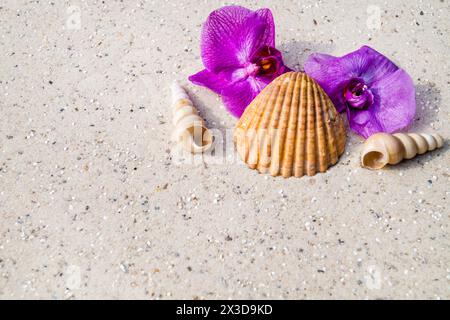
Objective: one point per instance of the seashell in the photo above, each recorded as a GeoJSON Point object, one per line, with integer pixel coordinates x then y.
{"type": "Point", "coordinates": [290, 129]}
{"type": "Point", "coordinates": [190, 129]}
{"type": "Point", "coordinates": [381, 149]}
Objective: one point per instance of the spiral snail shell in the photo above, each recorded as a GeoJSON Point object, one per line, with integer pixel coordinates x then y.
{"type": "Point", "coordinates": [190, 130]}
{"type": "Point", "coordinates": [381, 149]}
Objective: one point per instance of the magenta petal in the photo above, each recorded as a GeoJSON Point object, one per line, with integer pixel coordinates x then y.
{"type": "Point", "coordinates": [363, 122]}
{"type": "Point", "coordinates": [268, 38]}
{"type": "Point", "coordinates": [232, 34]}
{"type": "Point", "coordinates": [367, 64]}
{"type": "Point", "coordinates": [209, 80]}
{"type": "Point", "coordinates": [238, 96]}
{"type": "Point", "coordinates": [396, 97]}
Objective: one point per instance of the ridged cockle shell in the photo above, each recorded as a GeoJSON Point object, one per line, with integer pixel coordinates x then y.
{"type": "Point", "coordinates": [291, 129]}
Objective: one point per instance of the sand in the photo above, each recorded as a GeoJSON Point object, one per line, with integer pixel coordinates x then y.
{"type": "Point", "coordinates": [95, 202]}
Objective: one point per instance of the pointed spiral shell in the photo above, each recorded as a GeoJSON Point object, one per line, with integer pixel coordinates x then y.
{"type": "Point", "coordinates": [190, 129]}
{"type": "Point", "coordinates": [381, 149]}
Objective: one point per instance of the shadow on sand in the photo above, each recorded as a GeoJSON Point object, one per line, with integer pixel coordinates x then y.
{"type": "Point", "coordinates": [295, 52]}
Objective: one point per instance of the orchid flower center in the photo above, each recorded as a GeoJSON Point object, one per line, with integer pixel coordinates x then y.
{"type": "Point", "coordinates": [267, 66]}
{"type": "Point", "coordinates": [265, 62]}
{"type": "Point", "coordinates": [357, 94]}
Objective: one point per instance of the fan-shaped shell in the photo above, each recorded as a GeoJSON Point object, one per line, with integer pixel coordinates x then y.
{"type": "Point", "coordinates": [291, 129]}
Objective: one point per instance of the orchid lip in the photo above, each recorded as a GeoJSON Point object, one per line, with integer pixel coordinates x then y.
{"type": "Point", "coordinates": [268, 66]}
{"type": "Point", "coordinates": [357, 94]}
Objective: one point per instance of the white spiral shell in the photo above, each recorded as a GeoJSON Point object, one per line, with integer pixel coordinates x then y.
{"type": "Point", "coordinates": [381, 149]}
{"type": "Point", "coordinates": [190, 129]}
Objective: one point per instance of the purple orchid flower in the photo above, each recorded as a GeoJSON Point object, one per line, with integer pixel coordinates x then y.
{"type": "Point", "coordinates": [237, 49]}
{"type": "Point", "coordinates": [377, 95]}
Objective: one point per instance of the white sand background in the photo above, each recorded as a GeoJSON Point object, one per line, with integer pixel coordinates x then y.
{"type": "Point", "coordinates": [93, 205]}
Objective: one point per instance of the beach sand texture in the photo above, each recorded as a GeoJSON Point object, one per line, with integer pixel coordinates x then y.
{"type": "Point", "coordinates": [96, 202]}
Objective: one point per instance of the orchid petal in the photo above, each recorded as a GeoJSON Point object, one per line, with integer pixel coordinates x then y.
{"type": "Point", "coordinates": [364, 122]}
{"type": "Point", "coordinates": [367, 64]}
{"type": "Point", "coordinates": [212, 81]}
{"type": "Point", "coordinates": [268, 38]}
{"type": "Point", "coordinates": [238, 96]}
{"type": "Point", "coordinates": [232, 34]}
{"type": "Point", "coordinates": [396, 97]}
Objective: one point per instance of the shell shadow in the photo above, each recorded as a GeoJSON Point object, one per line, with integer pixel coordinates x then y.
{"type": "Point", "coordinates": [207, 113]}
{"type": "Point", "coordinates": [216, 119]}
{"type": "Point", "coordinates": [420, 160]}
{"type": "Point", "coordinates": [428, 101]}
{"type": "Point", "coordinates": [296, 52]}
